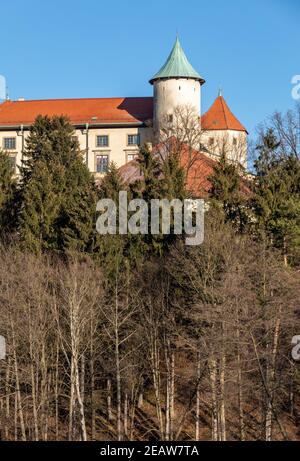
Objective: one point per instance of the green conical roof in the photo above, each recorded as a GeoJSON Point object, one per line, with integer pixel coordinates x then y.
{"type": "Point", "coordinates": [177, 65]}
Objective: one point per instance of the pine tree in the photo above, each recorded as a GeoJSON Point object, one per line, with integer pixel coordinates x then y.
{"type": "Point", "coordinates": [57, 192]}
{"type": "Point", "coordinates": [112, 184]}
{"type": "Point", "coordinates": [268, 155]}
{"type": "Point", "coordinates": [277, 196]}
{"type": "Point", "coordinates": [41, 205]}
{"type": "Point", "coordinates": [149, 186]}
{"type": "Point", "coordinates": [7, 193]}
{"type": "Point", "coordinates": [161, 178]}
{"type": "Point", "coordinates": [113, 251]}
{"type": "Point", "coordinates": [174, 177]}
{"type": "Point", "coordinates": [226, 191]}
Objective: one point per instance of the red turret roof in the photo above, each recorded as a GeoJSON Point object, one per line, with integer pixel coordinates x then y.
{"type": "Point", "coordinates": [220, 117]}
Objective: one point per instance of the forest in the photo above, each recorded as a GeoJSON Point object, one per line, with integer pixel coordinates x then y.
{"type": "Point", "coordinates": [141, 337]}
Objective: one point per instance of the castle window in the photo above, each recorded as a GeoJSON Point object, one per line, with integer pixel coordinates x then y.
{"type": "Point", "coordinates": [234, 141]}
{"type": "Point", "coordinates": [9, 143]}
{"type": "Point", "coordinates": [101, 163]}
{"type": "Point", "coordinates": [13, 162]}
{"type": "Point", "coordinates": [211, 141]}
{"type": "Point", "coordinates": [132, 156]}
{"type": "Point", "coordinates": [133, 140]}
{"type": "Point", "coordinates": [170, 118]}
{"type": "Point", "coordinates": [102, 141]}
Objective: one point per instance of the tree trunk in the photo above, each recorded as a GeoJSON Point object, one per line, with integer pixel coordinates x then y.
{"type": "Point", "coordinates": [80, 403]}
{"type": "Point", "coordinates": [18, 391]}
{"type": "Point", "coordinates": [126, 415]}
{"type": "Point", "coordinates": [222, 398]}
{"type": "Point", "coordinates": [197, 426]}
{"type": "Point", "coordinates": [7, 398]}
{"type": "Point", "coordinates": [213, 380]}
{"type": "Point", "coordinates": [172, 395]}
{"type": "Point", "coordinates": [271, 381]}
{"type": "Point", "coordinates": [109, 399]}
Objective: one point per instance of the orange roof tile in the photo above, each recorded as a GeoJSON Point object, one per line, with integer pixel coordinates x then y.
{"type": "Point", "coordinates": [200, 168]}
{"type": "Point", "coordinates": [220, 117]}
{"type": "Point", "coordinates": [79, 111]}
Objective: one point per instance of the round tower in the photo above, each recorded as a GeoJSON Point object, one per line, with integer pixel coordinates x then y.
{"type": "Point", "coordinates": [176, 85]}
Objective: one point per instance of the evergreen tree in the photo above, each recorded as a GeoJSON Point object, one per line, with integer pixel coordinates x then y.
{"type": "Point", "coordinates": [57, 192]}
{"type": "Point", "coordinates": [7, 193]}
{"type": "Point", "coordinates": [161, 178]}
{"type": "Point", "coordinates": [277, 196]}
{"type": "Point", "coordinates": [226, 190]}
{"type": "Point", "coordinates": [149, 185]}
{"type": "Point", "coordinates": [174, 177]}
{"type": "Point", "coordinates": [112, 183]}
{"type": "Point", "coordinates": [268, 154]}
{"type": "Point", "coordinates": [113, 251]}
{"type": "Point", "coordinates": [40, 207]}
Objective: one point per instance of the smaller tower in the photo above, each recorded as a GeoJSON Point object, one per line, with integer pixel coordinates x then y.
{"type": "Point", "coordinates": [224, 133]}
{"type": "Point", "coordinates": [177, 84]}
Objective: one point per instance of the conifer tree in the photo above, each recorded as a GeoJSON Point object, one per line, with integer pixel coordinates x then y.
{"type": "Point", "coordinates": [57, 192]}
{"type": "Point", "coordinates": [277, 196]}
{"type": "Point", "coordinates": [174, 177]}
{"type": "Point", "coordinates": [149, 185]}
{"type": "Point", "coordinates": [112, 183]}
{"type": "Point", "coordinates": [7, 193]}
{"type": "Point", "coordinates": [227, 190]}
{"type": "Point", "coordinates": [113, 251]}
{"type": "Point", "coordinates": [161, 178]}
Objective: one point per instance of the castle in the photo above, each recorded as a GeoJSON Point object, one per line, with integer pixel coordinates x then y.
{"type": "Point", "coordinates": [112, 129]}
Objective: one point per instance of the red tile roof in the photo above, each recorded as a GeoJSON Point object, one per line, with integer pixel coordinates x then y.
{"type": "Point", "coordinates": [107, 110]}
{"type": "Point", "coordinates": [79, 111]}
{"type": "Point", "coordinates": [199, 166]}
{"type": "Point", "coordinates": [220, 117]}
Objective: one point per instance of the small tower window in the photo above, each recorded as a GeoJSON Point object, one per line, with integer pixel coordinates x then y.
{"type": "Point", "coordinates": [211, 141]}
{"type": "Point", "coordinates": [234, 142]}
{"type": "Point", "coordinates": [170, 118]}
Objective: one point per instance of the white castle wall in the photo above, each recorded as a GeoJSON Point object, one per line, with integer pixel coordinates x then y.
{"type": "Point", "coordinates": [172, 93]}
{"type": "Point", "coordinates": [117, 150]}
{"type": "Point", "coordinates": [232, 142]}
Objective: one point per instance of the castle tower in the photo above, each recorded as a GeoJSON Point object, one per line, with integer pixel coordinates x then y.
{"type": "Point", "coordinates": [177, 84]}
{"type": "Point", "coordinates": [224, 133]}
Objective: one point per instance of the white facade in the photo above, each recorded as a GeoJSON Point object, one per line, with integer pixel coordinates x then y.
{"type": "Point", "coordinates": [231, 142]}
{"type": "Point", "coordinates": [117, 150]}
{"type": "Point", "coordinates": [173, 93]}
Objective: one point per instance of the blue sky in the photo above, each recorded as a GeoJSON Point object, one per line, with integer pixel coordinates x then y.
{"type": "Point", "coordinates": [95, 48]}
